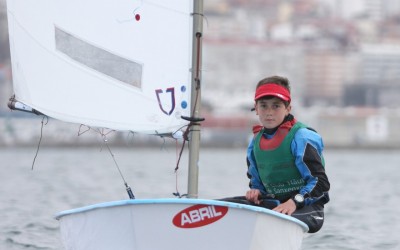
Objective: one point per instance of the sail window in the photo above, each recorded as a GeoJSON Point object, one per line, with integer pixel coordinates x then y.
{"type": "Point", "coordinates": [98, 59]}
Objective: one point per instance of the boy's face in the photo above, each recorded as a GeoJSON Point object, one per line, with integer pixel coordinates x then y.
{"type": "Point", "coordinates": [271, 111]}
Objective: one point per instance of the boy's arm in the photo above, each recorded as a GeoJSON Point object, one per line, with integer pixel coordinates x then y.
{"type": "Point", "coordinates": [252, 172]}
{"type": "Point", "coordinates": [307, 148]}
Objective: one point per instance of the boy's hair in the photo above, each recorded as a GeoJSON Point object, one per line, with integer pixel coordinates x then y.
{"type": "Point", "coordinates": [283, 81]}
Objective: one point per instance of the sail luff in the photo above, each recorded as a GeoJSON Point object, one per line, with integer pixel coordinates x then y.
{"type": "Point", "coordinates": [194, 144]}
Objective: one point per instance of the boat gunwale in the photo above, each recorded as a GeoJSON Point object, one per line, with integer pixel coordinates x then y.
{"type": "Point", "coordinates": [189, 201]}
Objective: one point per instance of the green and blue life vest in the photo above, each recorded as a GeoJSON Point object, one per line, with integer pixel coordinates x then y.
{"type": "Point", "coordinates": [275, 162]}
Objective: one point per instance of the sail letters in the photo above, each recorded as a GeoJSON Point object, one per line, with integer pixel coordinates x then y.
{"type": "Point", "coordinates": [172, 96]}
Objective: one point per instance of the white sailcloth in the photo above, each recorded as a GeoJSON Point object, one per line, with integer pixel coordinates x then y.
{"type": "Point", "coordinates": [123, 65]}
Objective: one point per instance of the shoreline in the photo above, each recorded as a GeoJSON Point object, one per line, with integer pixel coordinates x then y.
{"type": "Point", "coordinates": [24, 131]}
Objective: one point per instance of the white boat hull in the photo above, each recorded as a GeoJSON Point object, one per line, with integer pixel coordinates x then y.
{"type": "Point", "coordinates": [178, 224]}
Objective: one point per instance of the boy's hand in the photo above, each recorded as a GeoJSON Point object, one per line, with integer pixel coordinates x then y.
{"type": "Point", "coordinates": [253, 195]}
{"type": "Point", "coordinates": [287, 207]}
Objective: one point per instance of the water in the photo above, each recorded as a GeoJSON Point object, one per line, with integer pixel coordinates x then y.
{"type": "Point", "coordinates": [361, 215]}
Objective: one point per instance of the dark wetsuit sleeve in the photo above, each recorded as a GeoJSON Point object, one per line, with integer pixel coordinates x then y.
{"type": "Point", "coordinates": [252, 172]}
{"type": "Point", "coordinates": [307, 148]}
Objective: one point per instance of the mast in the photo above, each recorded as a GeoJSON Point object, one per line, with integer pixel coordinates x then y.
{"type": "Point", "coordinates": [194, 143]}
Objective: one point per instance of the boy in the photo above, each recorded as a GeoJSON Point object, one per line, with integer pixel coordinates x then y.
{"type": "Point", "coordinates": [285, 158]}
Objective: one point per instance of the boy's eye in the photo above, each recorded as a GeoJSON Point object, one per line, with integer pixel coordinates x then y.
{"type": "Point", "coordinates": [273, 106]}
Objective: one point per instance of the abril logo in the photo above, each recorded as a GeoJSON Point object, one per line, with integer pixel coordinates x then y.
{"type": "Point", "coordinates": [199, 215]}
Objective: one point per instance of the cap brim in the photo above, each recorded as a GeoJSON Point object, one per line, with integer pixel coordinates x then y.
{"type": "Point", "coordinates": [280, 96]}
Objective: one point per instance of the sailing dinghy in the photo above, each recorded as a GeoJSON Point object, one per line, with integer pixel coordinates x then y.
{"type": "Point", "coordinates": [132, 66]}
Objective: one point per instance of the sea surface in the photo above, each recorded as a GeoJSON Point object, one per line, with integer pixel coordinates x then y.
{"type": "Point", "coordinates": [362, 214]}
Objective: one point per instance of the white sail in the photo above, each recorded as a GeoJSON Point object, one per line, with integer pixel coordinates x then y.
{"type": "Point", "coordinates": [123, 65]}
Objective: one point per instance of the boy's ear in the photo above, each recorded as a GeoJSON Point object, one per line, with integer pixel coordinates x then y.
{"type": "Point", "coordinates": [289, 108]}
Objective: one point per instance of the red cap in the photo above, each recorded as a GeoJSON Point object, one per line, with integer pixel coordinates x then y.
{"type": "Point", "coordinates": [272, 89]}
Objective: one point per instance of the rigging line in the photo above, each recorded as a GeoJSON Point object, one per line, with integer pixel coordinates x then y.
{"type": "Point", "coordinates": [180, 156]}
{"type": "Point", "coordinates": [40, 140]}
{"type": "Point", "coordinates": [177, 194]}
{"type": "Point", "coordinates": [197, 72]}
{"type": "Point", "coordinates": [113, 157]}
{"type": "Point", "coordinates": [109, 132]}
{"type": "Point", "coordinates": [185, 138]}
{"type": "Point", "coordinates": [163, 138]}
{"type": "Point", "coordinates": [193, 120]}
{"type": "Point", "coordinates": [79, 131]}
{"type": "Point", "coordinates": [128, 188]}
{"type": "Point", "coordinates": [176, 172]}
{"type": "Point", "coordinates": [198, 39]}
